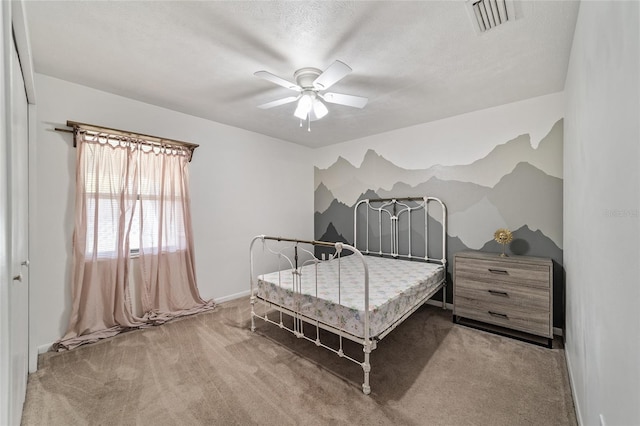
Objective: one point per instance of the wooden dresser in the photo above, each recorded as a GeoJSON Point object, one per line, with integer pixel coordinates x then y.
{"type": "Point", "coordinates": [513, 293]}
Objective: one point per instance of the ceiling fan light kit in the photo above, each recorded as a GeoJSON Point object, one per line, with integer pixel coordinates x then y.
{"type": "Point", "coordinates": [310, 82]}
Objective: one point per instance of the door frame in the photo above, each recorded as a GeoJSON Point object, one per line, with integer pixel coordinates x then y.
{"type": "Point", "coordinates": [23, 46]}
{"type": "Point", "coordinates": [12, 24]}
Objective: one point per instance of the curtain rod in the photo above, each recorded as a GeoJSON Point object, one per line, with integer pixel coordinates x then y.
{"type": "Point", "coordinates": [117, 132]}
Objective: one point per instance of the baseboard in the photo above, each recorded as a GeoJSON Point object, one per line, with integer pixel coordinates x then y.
{"type": "Point", "coordinates": [557, 331]}
{"type": "Point", "coordinates": [45, 348]}
{"type": "Point", "coordinates": [223, 299]}
{"type": "Point", "coordinates": [572, 385]}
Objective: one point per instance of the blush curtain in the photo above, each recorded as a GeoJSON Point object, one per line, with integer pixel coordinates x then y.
{"type": "Point", "coordinates": [166, 237]}
{"type": "Point", "coordinates": [130, 197]}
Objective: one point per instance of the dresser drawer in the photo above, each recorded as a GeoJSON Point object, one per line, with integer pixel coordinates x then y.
{"type": "Point", "coordinates": [512, 293]}
{"type": "Point", "coordinates": [523, 319]}
{"type": "Point", "coordinates": [504, 294]}
{"type": "Point", "coordinates": [497, 271]}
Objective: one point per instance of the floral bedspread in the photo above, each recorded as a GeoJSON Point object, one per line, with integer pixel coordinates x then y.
{"type": "Point", "coordinates": [333, 291]}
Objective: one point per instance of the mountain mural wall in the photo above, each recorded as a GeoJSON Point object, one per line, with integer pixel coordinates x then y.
{"type": "Point", "coordinates": [515, 186]}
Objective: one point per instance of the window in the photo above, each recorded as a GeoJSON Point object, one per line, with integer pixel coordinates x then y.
{"type": "Point", "coordinates": [146, 207]}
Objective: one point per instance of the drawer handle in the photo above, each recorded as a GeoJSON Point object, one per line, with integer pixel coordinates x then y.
{"type": "Point", "coordinates": [496, 314]}
{"type": "Point", "coordinates": [499, 293]}
{"type": "Point", "coordinates": [498, 271]}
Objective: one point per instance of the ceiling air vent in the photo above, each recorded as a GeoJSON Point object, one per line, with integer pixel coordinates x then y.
{"type": "Point", "coordinates": [487, 14]}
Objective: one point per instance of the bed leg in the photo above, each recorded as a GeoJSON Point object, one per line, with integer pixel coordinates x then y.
{"type": "Point", "coordinates": [253, 321]}
{"type": "Point", "coordinates": [444, 296]}
{"type": "Point", "coordinates": [366, 367]}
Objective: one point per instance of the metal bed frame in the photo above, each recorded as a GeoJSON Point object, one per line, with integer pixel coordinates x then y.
{"type": "Point", "coordinates": [388, 211]}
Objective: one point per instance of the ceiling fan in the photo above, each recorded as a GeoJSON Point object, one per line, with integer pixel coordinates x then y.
{"type": "Point", "coordinates": [310, 85]}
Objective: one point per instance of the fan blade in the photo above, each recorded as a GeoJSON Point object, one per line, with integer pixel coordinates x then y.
{"type": "Point", "coordinates": [348, 100]}
{"type": "Point", "coordinates": [277, 80]}
{"type": "Point", "coordinates": [279, 102]}
{"type": "Point", "coordinates": [336, 72]}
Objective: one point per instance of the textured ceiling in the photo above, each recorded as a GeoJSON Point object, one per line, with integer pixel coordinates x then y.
{"type": "Point", "coordinates": [415, 61]}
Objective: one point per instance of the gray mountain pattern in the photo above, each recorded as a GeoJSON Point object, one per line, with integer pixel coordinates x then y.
{"type": "Point", "coordinates": [525, 196]}
{"type": "Point", "coordinates": [346, 182]}
{"type": "Point", "coordinates": [515, 186]}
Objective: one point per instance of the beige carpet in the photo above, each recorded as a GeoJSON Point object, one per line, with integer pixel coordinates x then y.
{"type": "Point", "coordinates": [210, 369]}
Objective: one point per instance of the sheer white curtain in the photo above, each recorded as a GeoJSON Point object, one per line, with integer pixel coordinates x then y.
{"type": "Point", "coordinates": [131, 199]}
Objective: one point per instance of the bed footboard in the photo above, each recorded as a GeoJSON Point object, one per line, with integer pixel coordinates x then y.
{"type": "Point", "coordinates": [292, 255]}
{"type": "Point", "coordinates": [294, 280]}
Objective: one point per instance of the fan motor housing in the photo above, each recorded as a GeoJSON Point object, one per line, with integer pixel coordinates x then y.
{"type": "Point", "coordinates": [306, 76]}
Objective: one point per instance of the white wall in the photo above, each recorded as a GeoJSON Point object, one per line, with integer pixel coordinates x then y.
{"type": "Point", "coordinates": [602, 213]}
{"type": "Point", "coordinates": [242, 184]}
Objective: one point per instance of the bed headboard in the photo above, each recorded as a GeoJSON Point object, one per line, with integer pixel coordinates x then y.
{"type": "Point", "coordinates": [400, 227]}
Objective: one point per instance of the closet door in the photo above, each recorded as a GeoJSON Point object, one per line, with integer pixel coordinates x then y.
{"type": "Point", "coordinates": [19, 211]}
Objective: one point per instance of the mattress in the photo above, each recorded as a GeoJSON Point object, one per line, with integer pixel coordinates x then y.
{"type": "Point", "coordinates": [395, 287]}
